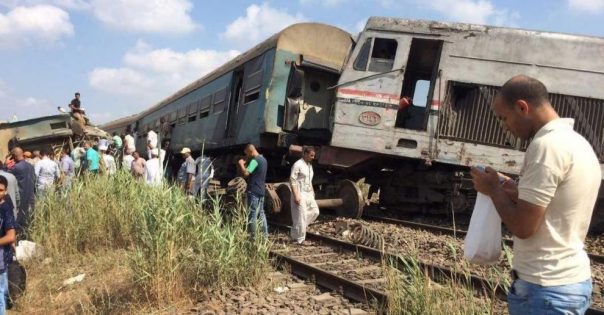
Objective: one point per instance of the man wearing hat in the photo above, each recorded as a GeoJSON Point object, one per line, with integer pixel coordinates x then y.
{"type": "Point", "coordinates": [186, 171]}
{"type": "Point", "coordinates": [108, 160]}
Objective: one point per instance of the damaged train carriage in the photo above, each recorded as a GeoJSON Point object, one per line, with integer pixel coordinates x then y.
{"type": "Point", "coordinates": [281, 84]}
{"type": "Point", "coordinates": [417, 155]}
{"type": "Point", "coordinates": [47, 132]}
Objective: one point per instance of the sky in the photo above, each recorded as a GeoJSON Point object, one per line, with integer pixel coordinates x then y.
{"type": "Point", "coordinates": [126, 55]}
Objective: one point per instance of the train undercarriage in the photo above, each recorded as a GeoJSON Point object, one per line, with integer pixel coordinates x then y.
{"type": "Point", "coordinates": [402, 186]}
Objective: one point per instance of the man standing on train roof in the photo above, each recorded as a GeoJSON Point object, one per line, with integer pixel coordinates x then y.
{"type": "Point", "coordinates": [255, 173]}
{"type": "Point", "coordinates": [304, 207]}
{"type": "Point", "coordinates": [550, 208]}
{"type": "Point", "coordinates": [77, 112]}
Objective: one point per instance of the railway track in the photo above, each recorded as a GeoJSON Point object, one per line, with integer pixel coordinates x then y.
{"type": "Point", "coordinates": [362, 279]}
{"type": "Point", "coordinates": [399, 243]}
{"type": "Point", "coordinates": [451, 232]}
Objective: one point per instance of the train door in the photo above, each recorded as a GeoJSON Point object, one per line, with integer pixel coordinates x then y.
{"type": "Point", "coordinates": [421, 73]}
{"type": "Point", "coordinates": [372, 80]}
{"type": "Point", "coordinates": [235, 100]}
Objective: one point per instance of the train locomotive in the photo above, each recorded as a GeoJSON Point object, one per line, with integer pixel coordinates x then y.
{"type": "Point", "coordinates": [405, 105]}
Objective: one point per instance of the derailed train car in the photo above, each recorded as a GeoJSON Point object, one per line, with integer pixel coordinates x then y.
{"type": "Point", "coordinates": [311, 84]}
{"type": "Point", "coordinates": [47, 132]}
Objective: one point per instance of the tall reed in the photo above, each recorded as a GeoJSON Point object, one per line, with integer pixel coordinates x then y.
{"type": "Point", "coordinates": [175, 246]}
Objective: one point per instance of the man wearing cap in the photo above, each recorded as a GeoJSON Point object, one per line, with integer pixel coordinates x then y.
{"type": "Point", "coordinates": [186, 171]}
{"type": "Point", "coordinates": [108, 160]}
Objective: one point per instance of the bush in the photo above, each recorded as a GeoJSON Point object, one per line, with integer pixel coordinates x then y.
{"type": "Point", "coordinates": [174, 246]}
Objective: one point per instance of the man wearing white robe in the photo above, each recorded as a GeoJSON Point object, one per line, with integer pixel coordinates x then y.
{"type": "Point", "coordinates": [303, 205]}
{"type": "Point", "coordinates": [153, 169]}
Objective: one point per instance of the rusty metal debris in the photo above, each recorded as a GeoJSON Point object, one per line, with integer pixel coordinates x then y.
{"type": "Point", "coordinates": [360, 234]}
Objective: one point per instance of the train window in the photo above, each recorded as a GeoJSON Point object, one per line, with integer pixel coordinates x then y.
{"type": "Point", "coordinates": [59, 125]}
{"type": "Point", "coordinates": [204, 106]}
{"type": "Point", "coordinates": [172, 117]}
{"type": "Point", "coordinates": [382, 55]}
{"type": "Point", "coordinates": [219, 97]}
{"type": "Point", "coordinates": [315, 86]}
{"type": "Point", "coordinates": [182, 116]}
{"type": "Point", "coordinates": [192, 118]}
{"type": "Point", "coordinates": [420, 95]}
{"type": "Point", "coordinates": [251, 97]}
{"type": "Point", "coordinates": [361, 62]}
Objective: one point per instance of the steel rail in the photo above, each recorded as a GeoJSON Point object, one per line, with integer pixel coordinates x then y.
{"type": "Point", "coordinates": [437, 273]}
{"type": "Point", "coordinates": [448, 231]}
{"type": "Point", "coordinates": [326, 279]}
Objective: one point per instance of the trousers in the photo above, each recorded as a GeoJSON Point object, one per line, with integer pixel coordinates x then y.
{"type": "Point", "coordinates": [303, 215]}
{"type": "Point", "coordinates": [529, 298]}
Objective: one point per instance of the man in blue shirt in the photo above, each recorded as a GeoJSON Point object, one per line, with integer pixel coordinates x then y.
{"type": "Point", "coordinates": [93, 158]}
{"type": "Point", "coordinates": [255, 173]}
{"type": "Point", "coordinates": [8, 236]}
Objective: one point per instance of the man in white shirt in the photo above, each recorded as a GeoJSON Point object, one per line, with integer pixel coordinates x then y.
{"type": "Point", "coordinates": [151, 141]}
{"type": "Point", "coordinates": [129, 146]}
{"type": "Point", "coordinates": [109, 160]}
{"type": "Point", "coordinates": [47, 172]}
{"type": "Point", "coordinates": [550, 209]}
{"type": "Point", "coordinates": [153, 169]}
{"type": "Point", "coordinates": [127, 161]}
{"type": "Point", "coordinates": [304, 207]}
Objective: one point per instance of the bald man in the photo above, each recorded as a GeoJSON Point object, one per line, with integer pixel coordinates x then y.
{"type": "Point", "coordinates": [254, 168]}
{"type": "Point", "coordinates": [26, 178]}
{"type": "Point", "coordinates": [550, 208]}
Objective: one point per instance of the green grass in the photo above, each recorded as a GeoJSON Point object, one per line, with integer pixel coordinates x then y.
{"type": "Point", "coordinates": [174, 247]}
{"type": "Point", "coordinates": [411, 291]}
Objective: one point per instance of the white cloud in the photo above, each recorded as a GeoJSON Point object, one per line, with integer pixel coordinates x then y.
{"type": "Point", "coordinates": [157, 16]}
{"type": "Point", "coordinates": [259, 23]}
{"type": "Point", "coordinates": [588, 6]}
{"type": "Point", "coordinates": [21, 107]}
{"type": "Point", "coordinates": [153, 74]}
{"type": "Point", "coordinates": [119, 80]}
{"type": "Point", "coordinates": [67, 4]}
{"type": "Point", "coordinates": [327, 3]}
{"type": "Point", "coordinates": [24, 26]}
{"type": "Point", "coordinates": [474, 11]}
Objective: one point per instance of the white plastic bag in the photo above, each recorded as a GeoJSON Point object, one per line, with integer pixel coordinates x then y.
{"type": "Point", "coordinates": [27, 250]}
{"type": "Point", "coordinates": [483, 242]}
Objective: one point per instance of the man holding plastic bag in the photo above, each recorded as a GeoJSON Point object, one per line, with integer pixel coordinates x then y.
{"type": "Point", "coordinates": [550, 209]}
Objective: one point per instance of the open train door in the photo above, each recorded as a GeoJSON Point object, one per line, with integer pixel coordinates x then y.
{"type": "Point", "coordinates": [293, 98]}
